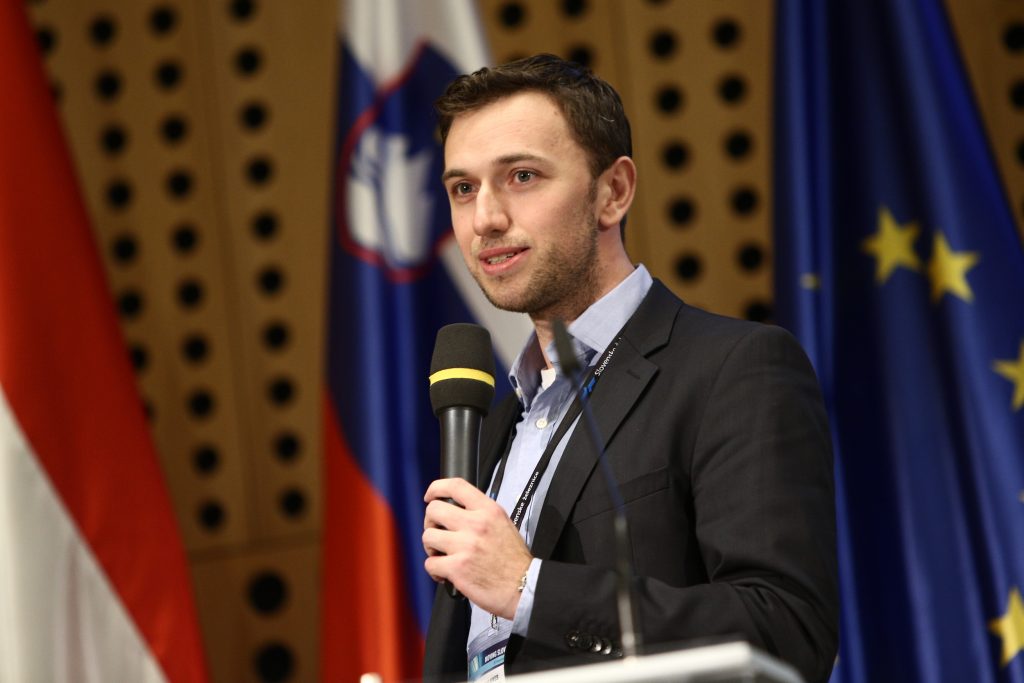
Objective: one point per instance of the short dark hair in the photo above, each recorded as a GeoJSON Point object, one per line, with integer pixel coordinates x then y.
{"type": "Point", "coordinates": [591, 107]}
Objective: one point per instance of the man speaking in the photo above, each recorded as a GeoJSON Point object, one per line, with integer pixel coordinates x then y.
{"type": "Point", "coordinates": [713, 428]}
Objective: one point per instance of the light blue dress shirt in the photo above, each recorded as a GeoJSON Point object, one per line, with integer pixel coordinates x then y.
{"type": "Point", "coordinates": [545, 397]}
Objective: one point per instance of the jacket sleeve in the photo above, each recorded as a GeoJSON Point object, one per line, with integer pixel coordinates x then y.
{"type": "Point", "coordinates": [760, 496]}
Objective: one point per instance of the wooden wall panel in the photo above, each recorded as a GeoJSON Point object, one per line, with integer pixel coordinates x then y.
{"type": "Point", "coordinates": [991, 37]}
{"type": "Point", "coordinates": [277, 588]}
{"type": "Point", "coordinates": [700, 79]}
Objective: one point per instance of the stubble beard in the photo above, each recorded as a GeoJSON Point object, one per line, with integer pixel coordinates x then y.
{"type": "Point", "coordinates": [563, 282]}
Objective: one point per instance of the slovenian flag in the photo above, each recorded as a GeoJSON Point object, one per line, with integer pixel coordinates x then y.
{"type": "Point", "coordinates": [94, 583]}
{"type": "Point", "coordinates": [396, 276]}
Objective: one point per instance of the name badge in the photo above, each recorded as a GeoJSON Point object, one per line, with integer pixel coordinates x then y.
{"type": "Point", "coordinates": [488, 665]}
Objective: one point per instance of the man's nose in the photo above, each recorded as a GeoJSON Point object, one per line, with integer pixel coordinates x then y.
{"type": "Point", "coordinates": [490, 213]}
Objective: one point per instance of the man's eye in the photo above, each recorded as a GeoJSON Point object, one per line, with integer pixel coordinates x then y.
{"type": "Point", "coordinates": [524, 176]}
{"type": "Point", "coordinates": [463, 188]}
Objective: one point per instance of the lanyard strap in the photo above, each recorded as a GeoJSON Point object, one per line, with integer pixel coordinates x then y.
{"type": "Point", "coordinates": [575, 408]}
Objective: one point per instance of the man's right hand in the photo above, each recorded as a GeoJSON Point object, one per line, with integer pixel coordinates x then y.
{"type": "Point", "coordinates": [476, 547]}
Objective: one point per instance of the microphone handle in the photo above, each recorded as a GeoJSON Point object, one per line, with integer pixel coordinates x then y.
{"type": "Point", "coordinates": [460, 446]}
{"type": "Point", "coordinates": [460, 442]}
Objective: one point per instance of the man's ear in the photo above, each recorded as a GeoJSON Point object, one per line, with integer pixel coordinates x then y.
{"type": "Point", "coordinates": [616, 187]}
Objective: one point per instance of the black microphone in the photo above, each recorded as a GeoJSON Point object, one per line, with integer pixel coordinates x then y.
{"type": "Point", "coordinates": [461, 390]}
{"type": "Point", "coordinates": [623, 564]}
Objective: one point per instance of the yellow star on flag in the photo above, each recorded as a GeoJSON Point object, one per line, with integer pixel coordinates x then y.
{"type": "Point", "coordinates": [948, 270]}
{"type": "Point", "coordinates": [892, 245]}
{"type": "Point", "coordinates": [1013, 370]}
{"type": "Point", "coordinates": [1010, 626]}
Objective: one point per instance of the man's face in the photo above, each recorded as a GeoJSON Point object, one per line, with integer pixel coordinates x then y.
{"type": "Point", "coordinates": [523, 207]}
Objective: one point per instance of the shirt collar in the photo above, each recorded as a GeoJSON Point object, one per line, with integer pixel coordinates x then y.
{"type": "Point", "coordinates": [591, 333]}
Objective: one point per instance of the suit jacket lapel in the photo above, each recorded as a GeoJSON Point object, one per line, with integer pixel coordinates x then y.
{"type": "Point", "coordinates": [617, 391]}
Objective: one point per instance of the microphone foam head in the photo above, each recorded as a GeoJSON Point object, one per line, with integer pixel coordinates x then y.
{"type": "Point", "coordinates": [462, 368]}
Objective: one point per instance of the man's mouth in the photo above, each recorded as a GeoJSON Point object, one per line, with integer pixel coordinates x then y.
{"type": "Point", "coordinates": [498, 256]}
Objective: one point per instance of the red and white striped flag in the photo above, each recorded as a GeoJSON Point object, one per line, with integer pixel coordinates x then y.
{"type": "Point", "coordinates": [94, 584]}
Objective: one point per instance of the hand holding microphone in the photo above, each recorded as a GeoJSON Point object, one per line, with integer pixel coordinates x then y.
{"type": "Point", "coordinates": [461, 390]}
{"type": "Point", "coordinates": [479, 546]}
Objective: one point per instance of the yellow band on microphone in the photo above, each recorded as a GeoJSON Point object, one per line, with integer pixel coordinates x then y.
{"type": "Point", "coordinates": [461, 373]}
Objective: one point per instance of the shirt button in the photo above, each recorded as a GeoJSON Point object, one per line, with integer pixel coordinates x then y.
{"type": "Point", "coordinates": [542, 423]}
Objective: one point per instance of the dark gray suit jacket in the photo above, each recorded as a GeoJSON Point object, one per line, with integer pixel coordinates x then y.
{"type": "Point", "coordinates": [716, 433]}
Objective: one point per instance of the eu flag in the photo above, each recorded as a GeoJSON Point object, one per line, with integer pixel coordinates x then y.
{"type": "Point", "coordinates": [900, 268]}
